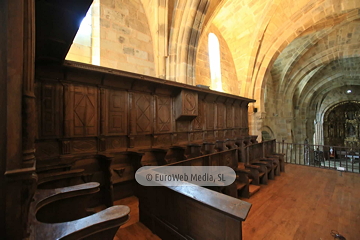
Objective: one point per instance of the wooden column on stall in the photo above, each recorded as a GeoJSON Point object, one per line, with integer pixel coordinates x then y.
{"type": "Point", "coordinates": [20, 177]}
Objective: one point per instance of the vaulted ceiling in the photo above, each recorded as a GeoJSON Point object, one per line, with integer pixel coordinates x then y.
{"type": "Point", "coordinates": [307, 52]}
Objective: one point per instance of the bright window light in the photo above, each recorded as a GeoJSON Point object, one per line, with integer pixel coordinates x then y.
{"type": "Point", "coordinates": [83, 36]}
{"type": "Point", "coordinates": [348, 91]}
{"type": "Point", "coordinates": [214, 59]}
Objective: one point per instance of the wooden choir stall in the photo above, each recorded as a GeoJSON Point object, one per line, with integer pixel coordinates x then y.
{"type": "Point", "coordinates": [99, 125]}
{"type": "Point", "coordinates": [80, 132]}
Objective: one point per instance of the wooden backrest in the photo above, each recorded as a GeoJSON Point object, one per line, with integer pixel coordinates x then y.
{"type": "Point", "coordinates": [126, 112]}
{"type": "Point", "coordinates": [224, 158]}
{"type": "Point", "coordinates": [269, 147]}
{"type": "Point", "coordinates": [254, 152]}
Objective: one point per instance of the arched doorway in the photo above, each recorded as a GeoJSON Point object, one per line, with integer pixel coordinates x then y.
{"type": "Point", "coordinates": [267, 133]}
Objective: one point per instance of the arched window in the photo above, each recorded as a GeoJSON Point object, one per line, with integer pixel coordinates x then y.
{"type": "Point", "coordinates": [214, 59]}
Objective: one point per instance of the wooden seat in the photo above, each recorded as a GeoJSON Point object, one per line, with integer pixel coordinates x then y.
{"type": "Point", "coordinates": [281, 157]}
{"type": "Point", "coordinates": [269, 167]}
{"type": "Point", "coordinates": [275, 163]}
{"type": "Point", "coordinates": [208, 147]}
{"type": "Point", "coordinates": [269, 149]}
{"type": "Point", "coordinates": [242, 183]}
{"type": "Point", "coordinates": [175, 154]}
{"type": "Point", "coordinates": [257, 173]}
{"type": "Point", "coordinates": [193, 150]}
{"type": "Point", "coordinates": [153, 157]}
{"type": "Point", "coordinates": [61, 213]}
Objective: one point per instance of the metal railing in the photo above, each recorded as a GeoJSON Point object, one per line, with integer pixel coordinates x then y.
{"type": "Point", "coordinates": [331, 157]}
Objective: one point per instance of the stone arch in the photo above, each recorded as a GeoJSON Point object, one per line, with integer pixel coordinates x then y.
{"type": "Point", "coordinates": [267, 133]}
{"type": "Point", "coordinates": [185, 31]}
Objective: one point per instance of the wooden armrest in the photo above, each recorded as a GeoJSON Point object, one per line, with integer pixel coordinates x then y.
{"type": "Point", "coordinates": [252, 166]}
{"type": "Point", "coordinates": [65, 192]}
{"type": "Point", "coordinates": [242, 177]}
{"type": "Point", "coordinates": [266, 160]}
{"type": "Point", "coordinates": [178, 146]}
{"type": "Point", "coordinates": [280, 154]}
{"type": "Point", "coordinates": [242, 171]}
{"type": "Point", "coordinates": [274, 158]}
{"type": "Point", "coordinates": [258, 163]}
{"type": "Point", "coordinates": [103, 224]}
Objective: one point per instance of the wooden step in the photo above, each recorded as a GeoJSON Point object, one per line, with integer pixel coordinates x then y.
{"type": "Point", "coordinates": [239, 185]}
{"type": "Point", "coordinates": [253, 189]}
{"type": "Point", "coordinates": [261, 174]}
{"type": "Point", "coordinates": [250, 180]}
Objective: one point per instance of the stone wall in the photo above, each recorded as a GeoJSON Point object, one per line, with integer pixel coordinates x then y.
{"type": "Point", "coordinates": [125, 39]}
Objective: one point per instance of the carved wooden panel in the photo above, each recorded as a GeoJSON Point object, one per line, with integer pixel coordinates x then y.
{"type": "Point", "coordinates": [245, 116]}
{"type": "Point", "coordinates": [86, 145]}
{"type": "Point", "coordinates": [238, 115]}
{"type": "Point", "coordinates": [181, 138]}
{"type": "Point", "coordinates": [198, 122]}
{"type": "Point", "coordinates": [210, 115]}
{"type": "Point", "coordinates": [228, 133]}
{"type": "Point", "coordinates": [50, 109]}
{"type": "Point", "coordinates": [220, 107]}
{"type": "Point", "coordinates": [182, 126]}
{"type": "Point", "coordinates": [116, 143]}
{"type": "Point", "coordinates": [198, 136]}
{"type": "Point", "coordinates": [162, 140]}
{"type": "Point", "coordinates": [47, 149]}
{"type": "Point", "coordinates": [142, 114]}
{"type": "Point", "coordinates": [163, 114]}
{"type": "Point", "coordinates": [140, 141]}
{"type": "Point", "coordinates": [209, 136]}
{"type": "Point", "coordinates": [81, 109]}
{"type": "Point", "coordinates": [186, 105]}
{"type": "Point", "coordinates": [229, 116]}
{"type": "Point", "coordinates": [220, 134]}
{"type": "Point", "coordinates": [117, 112]}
